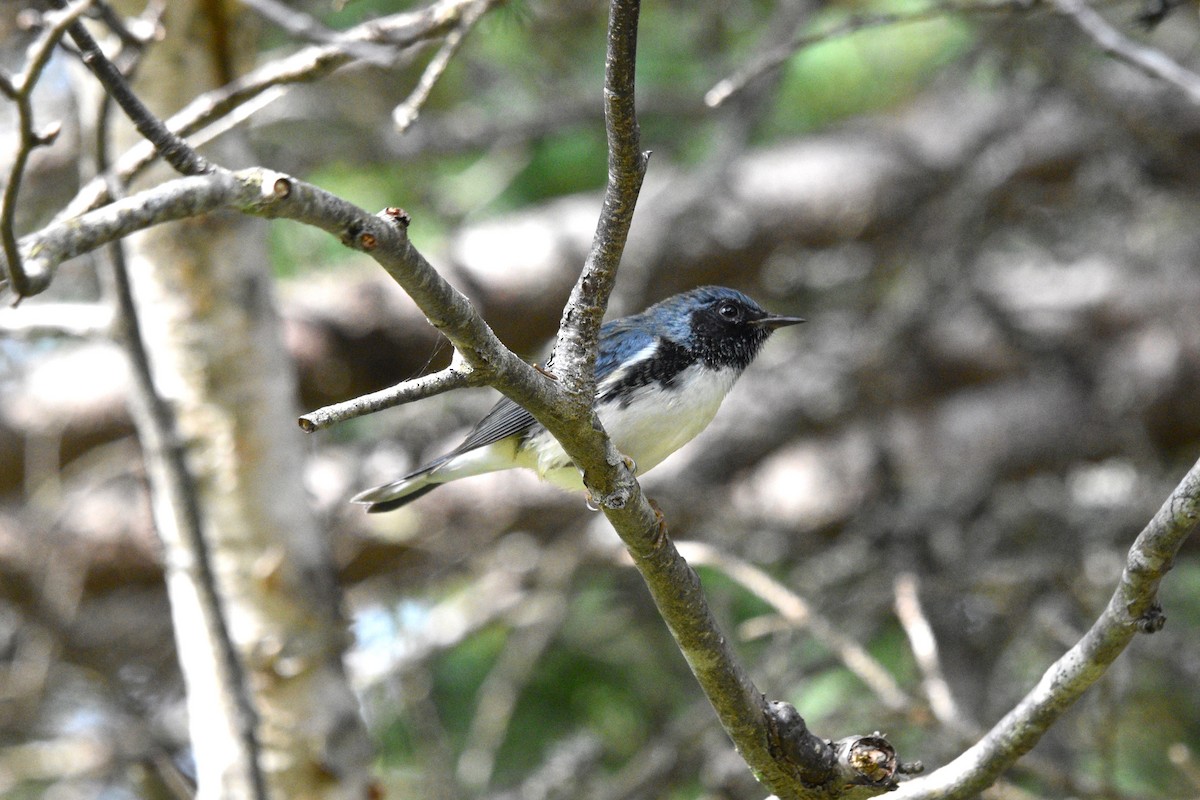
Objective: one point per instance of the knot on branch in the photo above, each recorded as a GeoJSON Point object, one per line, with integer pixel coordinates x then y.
{"type": "Point", "coordinates": [811, 758]}
{"type": "Point", "coordinates": [868, 761]}
{"type": "Point", "coordinates": [837, 767]}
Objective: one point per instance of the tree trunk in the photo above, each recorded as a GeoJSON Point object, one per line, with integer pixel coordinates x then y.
{"type": "Point", "coordinates": [256, 608]}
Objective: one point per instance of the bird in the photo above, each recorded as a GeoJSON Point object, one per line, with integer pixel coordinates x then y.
{"type": "Point", "coordinates": [660, 377]}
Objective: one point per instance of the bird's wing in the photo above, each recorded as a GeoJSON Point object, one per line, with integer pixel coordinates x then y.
{"type": "Point", "coordinates": [620, 341]}
{"type": "Point", "coordinates": [505, 419]}
{"type": "Point", "coordinates": [617, 344]}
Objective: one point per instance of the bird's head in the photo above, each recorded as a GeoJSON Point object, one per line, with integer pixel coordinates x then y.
{"type": "Point", "coordinates": [720, 326]}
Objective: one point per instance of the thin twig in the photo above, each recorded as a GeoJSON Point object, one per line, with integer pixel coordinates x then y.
{"type": "Point", "coordinates": [541, 617]}
{"type": "Point", "coordinates": [405, 114]}
{"type": "Point", "coordinates": [1152, 62]}
{"type": "Point", "coordinates": [1132, 609]}
{"type": "Point", "coordinates": [174, 150]}
{"type": "Point", "coordinates": [778, 56]}
{"type": "Point", "coordinates": [398, 31]}
{"type": "Point", "coordinates": [19, 89]}
{"type": "Point", "coordinates": [405, 392]}
{"type": "Point", "coordinates": [304, 26]}
{"type": "Point", "coordinates": [925, 650]}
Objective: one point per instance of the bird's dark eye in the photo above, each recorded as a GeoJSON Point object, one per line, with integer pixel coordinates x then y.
{"type": "Point", "coordinates": [728, 310]}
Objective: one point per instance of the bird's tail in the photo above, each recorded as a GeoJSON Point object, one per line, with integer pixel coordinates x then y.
{"type": "Point", "coordinates": [449, 467]}
{"type": "Point", "coordinates": [391, 504]}
{"type": "Point", "coordinates": [391, 496]}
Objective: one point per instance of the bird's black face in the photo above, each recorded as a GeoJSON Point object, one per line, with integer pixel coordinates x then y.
{"type": "Point", "coordinates": [729, 331]}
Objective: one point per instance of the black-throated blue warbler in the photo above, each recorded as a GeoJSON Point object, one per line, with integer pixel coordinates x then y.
{"type": "Point", "coordinates": [660, 377]}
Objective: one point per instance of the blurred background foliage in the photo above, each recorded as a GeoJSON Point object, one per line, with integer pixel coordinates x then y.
{"type": "Point", "coordinates": [996, 389]}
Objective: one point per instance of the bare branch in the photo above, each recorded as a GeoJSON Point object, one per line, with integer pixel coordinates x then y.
{"type": "Point", "coordinates": [405, 114]}
{"type": "Point", "coordinates": [1131, 609]}
{"type": "Point", "coordinates": [778, 56]}
{"type": "Point", "coordinates": [541, 618]}
{"type": "Point", "coordinates": [304, 26]}
{"type": "Point", "coordinates": [925, 649]}
{"type": "Point", "coordinates": [20, 90]}
{"type": "Point", "coordinates": [174, 150]}
{"type": "Point", "coordinates": [406, 392]}
{"type": "Point", "coordinates": [575, 352]}
{"type": "Point", "coordinates": [1153, 62]}
{"type": "Point", "coordinates": [398, 31]}
{"type": "Point", "coordinates": [274, 195]}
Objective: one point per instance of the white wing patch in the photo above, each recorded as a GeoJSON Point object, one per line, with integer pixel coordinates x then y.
{"type": "Point", "coordinates": [619, 374]}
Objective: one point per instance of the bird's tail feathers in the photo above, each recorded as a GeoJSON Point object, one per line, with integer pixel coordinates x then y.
{"type": "Point", "coordinates": [391, 504]}
{"type": "Point", "coordinates": [400, 492]}
{"type": "Point", "coordinates": [420, 482]}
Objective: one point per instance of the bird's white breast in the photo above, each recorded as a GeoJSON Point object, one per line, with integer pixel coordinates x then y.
{"type": "Point", "coordinates": [657, 421]}
{"type": "Point", "coordinates": [653, 424]}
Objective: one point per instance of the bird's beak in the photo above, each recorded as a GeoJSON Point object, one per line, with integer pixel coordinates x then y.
{"type": "Point", "coordinates": [771, 322]}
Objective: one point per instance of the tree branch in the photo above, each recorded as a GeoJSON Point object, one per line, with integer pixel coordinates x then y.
{"type": "Point", "coordinates": [1131, 609]}
{"type": "Point", "coordinates": [273, 195]}
{"type": "Point", "coordinates": [772, 738]}
{"type": "Point", "coordinates": [776, 57]}
{"type": "Point", "coordinates": [174, 150]}
{"type": "Point", "coordinates": [398, 31]}
{"type": "Point", "coordinates": [405, 392]}
{"type": "Point", "coordinates": [19, 89]}
{"type": "Point", "coordinates": [405, 114]}
{"type": "Point", "coordinates": [924, 647]}
{"type": "Point", "coordinates": [1152, 62]}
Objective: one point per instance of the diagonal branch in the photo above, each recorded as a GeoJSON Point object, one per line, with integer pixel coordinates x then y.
{"type": "Point", "coordinates": [174, 150]}
{"type": "Point", "coordinates": [775, 57]}
{"type": "Point", "coordinates": [273, 195]}
{"type": "Point", "coordinates": [771, 737]}
{"type": "Point", "coordinates": [1131, 609]}
{"type": "Point", "coordinates": [1152, 62]}
{"type": "Point", "coordinates": [406, 113]}
{"type": "Point", "coordinates": [797, 612]}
